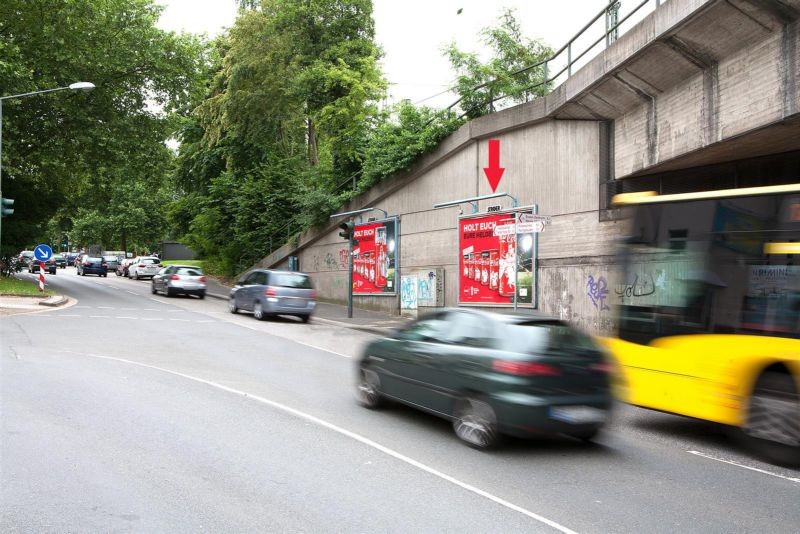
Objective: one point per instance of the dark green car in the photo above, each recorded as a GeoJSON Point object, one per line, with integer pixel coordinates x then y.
{"type": "Point", "coordinates": [491, 374]}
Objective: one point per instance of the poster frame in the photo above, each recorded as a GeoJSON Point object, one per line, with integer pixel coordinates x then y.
{"type": "Point", "coordinates": [395, 292]}
{"type": "Point", "coordinates": [515, 211]}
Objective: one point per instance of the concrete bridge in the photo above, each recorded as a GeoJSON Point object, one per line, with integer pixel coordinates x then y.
{"type": "Point", "coordinates": [701, 94]}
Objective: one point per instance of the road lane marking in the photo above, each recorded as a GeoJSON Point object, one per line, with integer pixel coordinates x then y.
{"type": "Point", "coordinates": [737, 464]}
{"type": "Point", "coordinates": [149, 309]}
{"type": "Point", "coordinates": [105, 308]}
{"type": "Point", "coordinates": [125, 317]}
{"type": "Point", "coordinates": [181, 320]}
{"type": "Point", "coordinates": [289, 339]}
{"type": "Point", "coordinates": [131, 292]}
{"type": "Point", "coordinates": [357, 437]}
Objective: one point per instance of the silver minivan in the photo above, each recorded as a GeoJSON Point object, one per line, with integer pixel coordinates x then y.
{"type": "Point", "coordinates": [267, 293]}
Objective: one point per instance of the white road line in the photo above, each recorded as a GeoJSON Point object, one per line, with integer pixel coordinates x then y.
{"type": "Point", "coordinates": [150, 309]}
{"type": "Point", "coordinates": [151, 319]}
{"type": "Point", "coordinates": [357, 437]}
{"type": "Point", "coordinates": [105, 308]}
{"type": "Point", "coordinates": [131, 292]}
{"type": "Point", "coordinates": [124, 317]}
{"type": "Point", "coordinates": [181, 320]}
{"type": "Point", "coordinates": [99, 316]}
{"type": "Point", "coordinates": [737, 464]}
{"type": "Point", "coordinates": [291, 340]}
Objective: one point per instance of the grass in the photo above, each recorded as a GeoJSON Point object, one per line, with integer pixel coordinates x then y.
{"type": "Point", "coordinates": [193, 263]}
{"type": "Point", "coordinates": [15, 287]}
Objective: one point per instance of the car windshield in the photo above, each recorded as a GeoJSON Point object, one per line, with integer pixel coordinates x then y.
{"type": "Point", "coordinates": [297, 281]}
{"type": "Point", "coordinates": [544, 336]}
{"type": "Point", "coordinates": [110, 258]}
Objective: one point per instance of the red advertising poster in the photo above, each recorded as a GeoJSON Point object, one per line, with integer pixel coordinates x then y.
{"type": "Point", "coordinates": [495, 261]}
{"type": "Point", "coordinates": [374, 264]}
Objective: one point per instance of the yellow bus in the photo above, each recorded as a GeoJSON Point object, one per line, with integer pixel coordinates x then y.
{"type": "Point", "coordinates": [709, 311]}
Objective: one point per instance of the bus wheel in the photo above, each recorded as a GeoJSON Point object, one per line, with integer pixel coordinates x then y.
{"type": "Point", "coordinates": [772, 428]}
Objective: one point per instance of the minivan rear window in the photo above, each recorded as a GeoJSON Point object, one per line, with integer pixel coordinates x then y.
{"type": "Point", "coordinates": [543, 336]}
{"type": "Point", "coordinates": [189, 272]}
{"type": "Point", "coordinates": [149, 260]}
{"type": "Point", "coordinates": [297, 281]}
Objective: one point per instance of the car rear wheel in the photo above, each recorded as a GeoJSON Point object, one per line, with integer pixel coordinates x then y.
{"type": "Point", "coordinates": [258, 311]}
{"type": "Point", "coordinates": [153, 289]}
{"type": "Point", "coordinates": [585, 435]}
{"type": "Point", "coordinates": [135, 276]}
{"type": "Point", "coordinates": [475, 423]}
{"type": "Point", "coordinates": [368, 389]}
{"type": "Point", "coordinates": [202, 294]}
{"type": "Point", "coordinates": [170, 292]}
{"type": "Point", "coordinates": [232, 307]}
{"type": "Point", "coordinates": [772, 428]}
{"type": "Point", "coordinates": [305, 318]}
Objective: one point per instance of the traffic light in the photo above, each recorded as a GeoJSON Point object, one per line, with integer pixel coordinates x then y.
{"type": "Point", "coordinates": [348, 230]}
{"type": "Point", "coordinates": [5, 206]}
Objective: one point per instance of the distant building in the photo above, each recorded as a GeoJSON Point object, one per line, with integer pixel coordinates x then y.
{"type": "Point", "coordinates": [172, 250]}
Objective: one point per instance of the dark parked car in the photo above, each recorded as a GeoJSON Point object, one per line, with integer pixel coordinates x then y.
{"type": "Point", "coordinates": [179, 279]}
{"type": "Point", "coordinates": [61, 261]}
{"type": "Point", "coordinates": [71, 257]}
{"type": "Point", "coordinates": [492, 374]}
{"type": "Point", "coordinates": [268, 293]}
{"type": "Point", "coordinates": [92, 265]}
{"type": "Point", "coordinates": [50, 265]}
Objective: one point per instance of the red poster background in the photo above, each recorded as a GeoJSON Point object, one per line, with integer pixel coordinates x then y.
{"type": "Point", "coordinates": [476, 235]}
{"type": "Point", "coordinates": [367, 278]}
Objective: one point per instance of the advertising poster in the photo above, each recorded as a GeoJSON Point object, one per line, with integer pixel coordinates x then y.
{"type": "Point", "coordinates": [374, 258]}
{"type": "Point", "coordinates": [496, 262]}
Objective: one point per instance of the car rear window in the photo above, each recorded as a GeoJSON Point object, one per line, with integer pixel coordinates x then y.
{"type": "Point", "coordinates": [544, 336]}
{"type": "Point", "coordinates": [94, 259]}
{"type": "Point", "coordinates": [149, 260]}
{"type": "Point", "coordinates": [297, 281]}
{"type": "Point", "coordinates": [189, 271]}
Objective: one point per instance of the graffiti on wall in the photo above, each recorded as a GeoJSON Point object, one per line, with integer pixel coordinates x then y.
{"type": "Point", "coordinates": [643, 285]}
{"type": "Point", "coordinates": [344, 254]}
{"type": "Point", "coordinates": [597, 291]}
{"type": "Point", "coordinates": [408, 292]}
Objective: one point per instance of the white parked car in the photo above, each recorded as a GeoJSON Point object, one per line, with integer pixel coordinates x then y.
{"type": "Point", "coordinates": [144, 267]}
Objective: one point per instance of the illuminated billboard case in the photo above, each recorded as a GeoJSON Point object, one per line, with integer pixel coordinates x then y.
{"type": "Point", "coordinates": [375, 258]}
{"type": "Point", "coordinates": [495, 262]}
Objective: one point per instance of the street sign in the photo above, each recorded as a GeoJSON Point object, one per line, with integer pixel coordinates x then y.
{"type": "Point", "coordinates": [530, 227]}
{"type": "Point", "coordinates": [43, 252]}
{"type": "Point", "coordinates": [503, 230]}
{"type": "Point", "coordinates": [532, 217]}
{"type": "Point", "coordinates": [491, 209]}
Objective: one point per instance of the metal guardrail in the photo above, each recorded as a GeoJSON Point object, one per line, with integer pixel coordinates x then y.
{"type": "Point", "coordinates": [609, 34]}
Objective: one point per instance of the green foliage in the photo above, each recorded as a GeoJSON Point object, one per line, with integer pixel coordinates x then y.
{"type": "Point", "coordinates": [506, 73]}
{"type": "Point", "coordinates": [65, 153]}
{"type": "Point", "coordinates": [16, 287]}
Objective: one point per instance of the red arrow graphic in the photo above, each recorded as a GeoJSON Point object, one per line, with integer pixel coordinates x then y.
{"type": "Point", "coordinates": [494, 172]}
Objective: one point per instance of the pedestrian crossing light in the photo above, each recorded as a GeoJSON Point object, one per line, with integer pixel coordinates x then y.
{"type": "Point", "coordinates": [5, 206]}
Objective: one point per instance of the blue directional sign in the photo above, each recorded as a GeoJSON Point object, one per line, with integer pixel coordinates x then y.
{"type": "Point", "coordinates": [43, 252]}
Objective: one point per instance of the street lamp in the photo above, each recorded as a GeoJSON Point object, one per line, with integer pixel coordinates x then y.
{"type": "Point", "coordinates": [77, 86]}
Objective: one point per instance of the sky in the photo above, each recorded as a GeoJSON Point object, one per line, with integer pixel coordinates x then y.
{"type": "Point", "coordinates": [413, 32]}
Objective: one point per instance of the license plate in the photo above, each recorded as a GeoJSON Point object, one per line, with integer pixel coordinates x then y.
{"type": "Point", "coordinates": [577, 414]}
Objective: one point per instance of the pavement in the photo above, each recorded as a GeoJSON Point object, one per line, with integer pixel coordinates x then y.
{"type": "Point", "coordinates": [335, 314]}
{"type": "Point", "coordinates": [11, 304]}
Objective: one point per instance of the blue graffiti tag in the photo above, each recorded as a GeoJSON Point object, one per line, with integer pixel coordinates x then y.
{"type": "Point", "coordinates": [597, 291]}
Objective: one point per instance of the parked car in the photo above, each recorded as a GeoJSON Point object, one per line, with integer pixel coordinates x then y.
{"type": "Point", "coordinates": [144, 266]}
{"type": "Point", "coordinates": [61, 261]}
{"type": "Point", "coordinates": [71, 257]}
{"type": "Point", "coordinates": [92, 265]}
{"type": "Point", "coordinates": [112, 262]}
{"type": "Point", "coordinates": [179, 279]}
{"type": "Point", "coordinates": [122, 268]}
{"type": "Point", "coordinates": [25, 257]}
{"type": "Point", "coordinates": [492, 374]}
{"type": "Point", "coordinates": [50, 265]}
{"type": "Point", "coordinates": [80, 258]}
{"type": "Point", "coordinates": [268, 293]}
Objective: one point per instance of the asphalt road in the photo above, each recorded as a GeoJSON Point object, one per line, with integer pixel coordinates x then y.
{"type": "Point", "coordinates": [134, 412]}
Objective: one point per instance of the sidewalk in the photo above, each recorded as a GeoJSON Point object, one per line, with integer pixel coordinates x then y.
{"type": "Point", "coordinates": [336, 314]}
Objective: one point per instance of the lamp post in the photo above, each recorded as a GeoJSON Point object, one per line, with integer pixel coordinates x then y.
{"type": "Point", "coordinates": [77, 86]}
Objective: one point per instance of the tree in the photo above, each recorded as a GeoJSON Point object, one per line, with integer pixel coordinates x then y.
{"type": "Point", "coordinates": [514, 71]}
{"type": "Point", "coordinates": [67, 152]}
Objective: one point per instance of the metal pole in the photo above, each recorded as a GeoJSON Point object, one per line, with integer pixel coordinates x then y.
{"type": "Point", "coordinates": [1, 171]}
{"type": "Point", "coordinates": [569, 59]}
{"type": "Point", "coordinates": [350, 278]}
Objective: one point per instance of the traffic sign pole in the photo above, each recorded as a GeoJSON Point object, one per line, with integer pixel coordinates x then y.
{"type": "Point", "coordinates": [41, 276]}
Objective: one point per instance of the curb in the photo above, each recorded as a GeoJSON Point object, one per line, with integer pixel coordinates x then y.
{"type": "Point", "coordinates": [55, 300]}
{"type": "Point", "coordinates": [216, 296]}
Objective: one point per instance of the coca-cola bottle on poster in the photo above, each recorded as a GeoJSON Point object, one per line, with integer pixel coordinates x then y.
{"type": "Point", "coordinates": [485, 268]}
{"type": "Point", "coordinates": [508, 265]}
{"type": "Point", "coordinates": [465, 266]}
{"type": "Point", "coordinates": [470, 266]}
{"type": "Point", "coordinates": [371, 266]}
{"type": "Point", "coordinates": [494, 269]}
{"type": "Point", "coordinates": [382, 259]}
{"type": "Point", "coordinates": [476, 273]}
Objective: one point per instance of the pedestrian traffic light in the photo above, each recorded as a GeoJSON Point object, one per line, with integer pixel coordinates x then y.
{"type": "Point", "coordinates": [5, 206]}
{"type": "Point", "coordinates": [348, 231]}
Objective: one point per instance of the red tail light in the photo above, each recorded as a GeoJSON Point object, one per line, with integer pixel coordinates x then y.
{"type": "Point", "coordinates": [175, 277]}
{"type": "Point", "coordinates": [271, 292]}
{"type": "Point", "coordinates": [313, 294]}
{"type": "Point", "coordinates": [601, 367]}
{"type": "Point", "coordinates": [525, 368]}
{"type": "Point", "coordinates": [141, 265]}
{"type": "Point", "coordinates": [87, 264]}
{"type": "Point", "coordinates": [203, 279]}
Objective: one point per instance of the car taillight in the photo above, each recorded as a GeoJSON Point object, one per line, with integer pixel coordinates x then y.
{"type": "Point", "coordinates": [87, 264]}
{"type": "Point", "coordinates": [203, 279]}
{"type": "Point", "coordinates": [103, 265]}
{"type": "Point", "coordinates": [175, 277]}
{"type": "Point", "coordinates": [313, 294]}
{"type": "Point", "coordinates": [271, 292]}
{"type": "Point", "coordinates": [601, 367]}
{"type": "Point", "coordinates": [141, 265]}
{"type": "Point", "coordinates": [525, 368]}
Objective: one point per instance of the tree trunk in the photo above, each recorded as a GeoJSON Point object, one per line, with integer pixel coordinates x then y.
{"type": "Point", "coordinates": [313, 154]}
{"type": "Point", "coordinates": [125, 241]}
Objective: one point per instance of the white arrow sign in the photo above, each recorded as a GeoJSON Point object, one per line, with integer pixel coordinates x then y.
{"type": "Point", "coordinates": [530, 227]}
{"type": "Point", "coordinates": [532, 217]}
